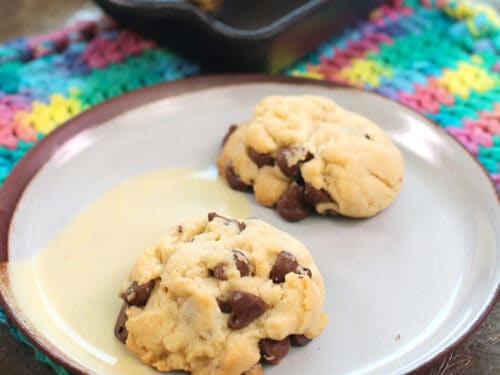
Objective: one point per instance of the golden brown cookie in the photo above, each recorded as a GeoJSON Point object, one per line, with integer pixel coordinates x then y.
{"type": "Point", "coordinates": [306, 153]}
{"type": "Point", "coordinates": [220, 295]}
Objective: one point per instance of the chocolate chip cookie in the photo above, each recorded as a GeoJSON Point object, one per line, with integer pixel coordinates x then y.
{"type": "Point", "coordinates": [306, 153]}
{"type": "Point", "coordinates": [220, 296]}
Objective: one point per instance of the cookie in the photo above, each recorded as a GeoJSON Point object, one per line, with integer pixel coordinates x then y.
{"type": "Point", "coordinates": [306, 153]}
{"type": "Point", "coordinates": [220, 296]}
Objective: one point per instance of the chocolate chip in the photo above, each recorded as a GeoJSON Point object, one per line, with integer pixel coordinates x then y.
{"type": "Point", "coordinates": [299, 340]}
{"type": "Point", "coordinates": [281, 161]}
{"type": "Point", "coordinates": [230, 131]}
{"type": "Point", "coordinates": [234, 180]}
{"type": "Point", "coordinates": [367, 136]}
{"type": "Point", "coordinates": [284, 264]}
{"type": "Point", "coordinates": [273, 351]}
{"type": "Point", "coordinates": [291, 205]}
{"type": "Point", "coordinates": [292, 171]}
{"type": "Point", "coordinates": [138, 294]}
{"type": "Point", "coordinates": [121, 331]}
{"type": "Point", "coordinates": [245, 307]}
{"type": "Point", "coordinates": [219, 271]}
{"type": "Point", "coordinates": [242, 263]}
{"type": "Point", "coordinates": [314, 196]}
{"type": "Point", "coordinates": [213, 215]}
{"type": "Point", "coordinates": [180, 229]}
{"type": "Point", "coordinates": [223, 305]}
{"type": "Point", "coordinates": [260, 159]}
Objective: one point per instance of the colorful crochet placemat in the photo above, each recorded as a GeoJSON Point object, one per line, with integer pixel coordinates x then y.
{"type": "Point", "coordinates": [441, 58]}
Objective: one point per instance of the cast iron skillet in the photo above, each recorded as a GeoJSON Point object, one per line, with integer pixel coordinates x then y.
{"type": "Point", "coordinates": [263, 35]}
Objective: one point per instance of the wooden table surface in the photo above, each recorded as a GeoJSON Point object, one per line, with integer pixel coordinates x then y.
{"type": "Point", "coordinates": [479, 354]}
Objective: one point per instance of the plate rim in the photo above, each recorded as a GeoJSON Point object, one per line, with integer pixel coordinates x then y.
{"type": "Point", "coordinates": [20, 176]}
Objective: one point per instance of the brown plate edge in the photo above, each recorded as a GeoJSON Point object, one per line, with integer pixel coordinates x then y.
{"type": "Point", "coordinates": [20, 176]}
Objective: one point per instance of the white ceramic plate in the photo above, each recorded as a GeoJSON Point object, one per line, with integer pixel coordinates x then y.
{"type": "Point", "coordinates": [402, 288]}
